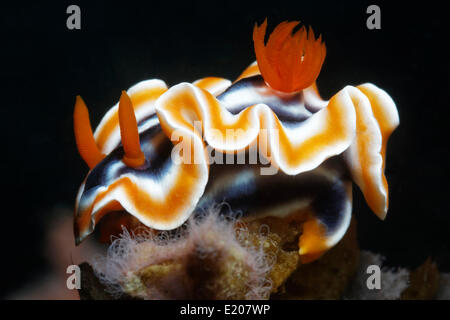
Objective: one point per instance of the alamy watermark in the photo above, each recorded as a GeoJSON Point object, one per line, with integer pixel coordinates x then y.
{"type": "Point", "coordinates": [374, 280]}
{"type": "Point", "coordinates": [374, 20]}
{"type": "Point", "coordinates": [74, 280]}
{"type": "Point", "coordinates": [230, 147]}
{"type": "Point", "coordinates": [73, 21]}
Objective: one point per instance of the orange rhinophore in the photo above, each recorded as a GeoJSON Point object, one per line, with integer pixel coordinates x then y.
{"type": "Point", "coordinates": [288, 62]}
{"type": "Point", "coordinates": [83, 135]}
{"type": "Point", "coordinates": [134, 157]}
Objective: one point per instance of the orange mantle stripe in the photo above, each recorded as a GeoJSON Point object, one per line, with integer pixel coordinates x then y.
{"type": "Point", "coordinates": [209, 83]}
{"type": "Point", "coordinates": [138, 99]}
{"type": "Point", "coordinates": [334, 131]}
{"type": "Point", "coordinates": [168, 209]}
{"type": "Point", "coordinates": [250, 71]}
{"type": "Point", "coordinates": [387, 126]}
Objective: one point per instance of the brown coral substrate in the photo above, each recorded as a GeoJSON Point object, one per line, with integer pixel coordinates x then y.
{"type": "Point", "coordinates": [423, 282]}
{"type": "Point", "coordinates": [258, 260]}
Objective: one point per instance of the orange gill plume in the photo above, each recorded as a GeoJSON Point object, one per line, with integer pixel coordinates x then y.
{"type": "Point", "coordinates": [288, 62]}
{"type": "Point", "coordinates": [83, 135]}
{"type": "Point", "coordinates": [134, 157]}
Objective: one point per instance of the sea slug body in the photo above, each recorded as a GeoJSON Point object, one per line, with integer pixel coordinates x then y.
{"type": "Point", "coordinates": [309, 150]}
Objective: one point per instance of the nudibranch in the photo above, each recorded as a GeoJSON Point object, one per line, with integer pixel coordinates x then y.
{"type": "Point", "coordinates": [138, 156]}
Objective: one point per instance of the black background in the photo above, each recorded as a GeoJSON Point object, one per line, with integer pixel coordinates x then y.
{"type": "Point", "coordinates": [44, 66]}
